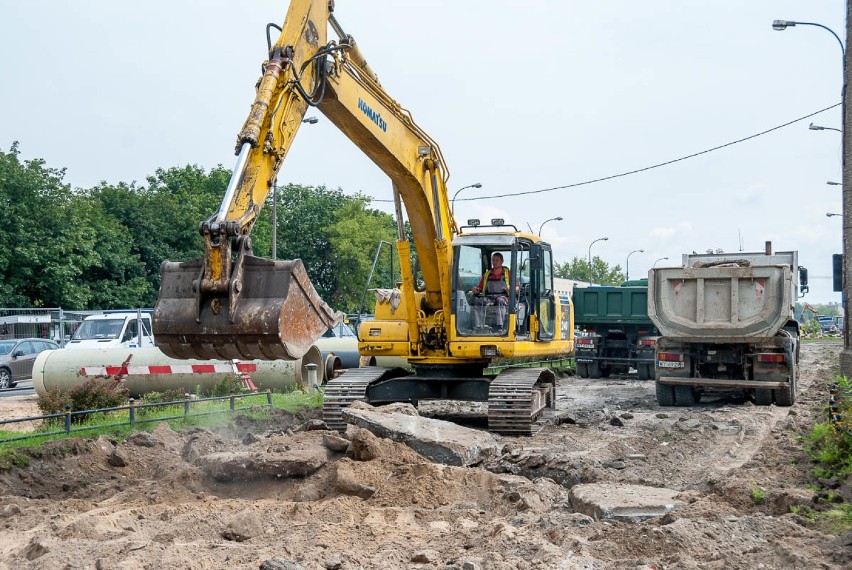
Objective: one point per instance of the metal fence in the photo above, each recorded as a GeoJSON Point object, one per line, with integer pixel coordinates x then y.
{"type": "Point", "coordinates": [54, 323]}
{"type": "Point", "coordinates": [134, 415]}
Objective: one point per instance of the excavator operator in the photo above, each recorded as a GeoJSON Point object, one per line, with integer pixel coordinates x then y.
{"type": "Point", "coordinates": [492, 291]}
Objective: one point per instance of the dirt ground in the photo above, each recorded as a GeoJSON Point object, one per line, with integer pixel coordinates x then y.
{"type": "Point", "coordinates": [149, 502]}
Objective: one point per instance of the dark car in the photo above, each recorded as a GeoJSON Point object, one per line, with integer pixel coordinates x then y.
{"type": "Point", "coordinates": [17, 356]}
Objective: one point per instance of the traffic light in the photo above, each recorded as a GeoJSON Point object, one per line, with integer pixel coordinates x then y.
{"type": "Point", "coordinates": [837, 271]}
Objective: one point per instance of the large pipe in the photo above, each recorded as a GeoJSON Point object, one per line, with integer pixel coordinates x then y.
{"type": "Point", "coordinates": [346, 348]}
{"type": "Point", "coordinates": [149, 370]}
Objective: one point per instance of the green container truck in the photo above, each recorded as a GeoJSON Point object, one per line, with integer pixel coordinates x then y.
{"type": "Point", "coordinates": [615, 333]}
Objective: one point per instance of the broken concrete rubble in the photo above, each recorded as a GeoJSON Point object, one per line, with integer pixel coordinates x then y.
{"type": "Point", "coordinates": [441, 441]}
{"type": "Point", "coordinates": [624, 502]}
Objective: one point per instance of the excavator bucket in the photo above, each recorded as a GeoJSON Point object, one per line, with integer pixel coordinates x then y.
{"type": "Point", "coordinates": [278, 313]}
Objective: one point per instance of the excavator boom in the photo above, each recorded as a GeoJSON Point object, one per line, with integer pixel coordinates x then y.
{"type": "Point", "coordinates": [231, 304]}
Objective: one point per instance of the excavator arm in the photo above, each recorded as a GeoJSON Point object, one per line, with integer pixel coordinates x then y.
{"type": "Point", "coordinates": [230, 304]}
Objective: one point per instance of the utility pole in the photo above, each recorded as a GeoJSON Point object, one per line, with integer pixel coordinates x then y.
{"type": "Point", "coordinates": [846, 355]}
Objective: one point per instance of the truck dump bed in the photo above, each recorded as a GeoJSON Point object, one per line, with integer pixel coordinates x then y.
{"type": "Point", "coordinates": [743, 299]}
{"type": "Point", "coordinates": [611, 305]}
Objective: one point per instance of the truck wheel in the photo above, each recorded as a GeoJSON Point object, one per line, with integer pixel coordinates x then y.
{"type": "Point", "coordinates": [665, 394]}
{"type": "Point", "coordinates": [763, 396]}
{"type": "Point", "coordinates": [787, 396]}
{"type": "Point", "coordinates": [594, 369]}
{"type": "Point", "coordinates": [605, 372]}
{"type": "Point", "coordinates": [582, 370]}
{"type": "Point", "coordinates": [685, 396]}
{"type": "Point", "coordinates": [642, 371]}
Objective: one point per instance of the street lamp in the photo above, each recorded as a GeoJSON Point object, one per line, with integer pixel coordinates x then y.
{"type": "Point", "coordinates": [590, 256]}
{"type": "Point", "coordinates": [829, 215]}
{"type": "Point", "coordinates": [846, 355]}
{"type": "Point", "coordinates": [830, 183]}
{"type": "Point", "coordinates": [814, 127]}
{"type": "Point", "coordinates": [627, 265]}
{"type": "Point", "coordinates": [557, 218]}
{"type": "Point", "coordinates": [781, 25]}
{"type": "Point", "coordinates": [655, 263]}
{"type": "Point", "coordinates": [453, 201]}
{"type": "Point", "coordinates": [311, 120]}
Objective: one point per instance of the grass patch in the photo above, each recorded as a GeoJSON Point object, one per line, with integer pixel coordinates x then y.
{"type": "Point", "coordinates": [116, 424]}
{"type": "Point", "coordinates": [829, 446]}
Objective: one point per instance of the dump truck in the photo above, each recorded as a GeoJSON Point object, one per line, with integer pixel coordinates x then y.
{"type": "Point", "coordinates": [726, 322]}
{"type": "Point", "coordinates": [616, 333]}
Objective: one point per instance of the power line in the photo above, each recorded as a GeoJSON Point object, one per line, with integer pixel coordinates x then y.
{"type": "Point", "coordinates": [646, 168]}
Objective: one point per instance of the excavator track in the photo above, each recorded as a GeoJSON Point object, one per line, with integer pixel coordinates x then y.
{"type": "Point", "coordinates": [350, 387]}
{"type": "Point", "coordinates": [519, 400]}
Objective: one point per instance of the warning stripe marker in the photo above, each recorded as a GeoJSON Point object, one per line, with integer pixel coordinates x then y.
{"type": "Point", "coordinates": [167, 369]}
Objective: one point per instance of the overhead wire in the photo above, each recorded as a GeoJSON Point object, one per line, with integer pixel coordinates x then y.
{"type": "Point", "coordinates": [643, 169]}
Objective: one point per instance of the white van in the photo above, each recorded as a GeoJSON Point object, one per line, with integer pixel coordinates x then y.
{"type": "Point", "coordinates": [113, 330]}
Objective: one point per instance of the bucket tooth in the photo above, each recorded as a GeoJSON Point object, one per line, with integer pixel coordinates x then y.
{"type": "Point", "coordinates": [278, 315]}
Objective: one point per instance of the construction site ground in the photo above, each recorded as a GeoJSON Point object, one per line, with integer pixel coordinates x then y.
{"type": "Point", "coordinates": [153, 501]}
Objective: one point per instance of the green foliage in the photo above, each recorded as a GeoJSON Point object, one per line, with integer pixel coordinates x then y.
{"type": "Point", "coordinates": [174, 395]}
{"type": "Point", "coordinates": [102, 247]}
{"type": "Point", "coordinates": [10, 458]}
{"type": "Point", "coordinates": [578, 270]}
{"type": "Point", "coordinates": [354, 237]}
{"type": "Point", "coordinates": [227, 386]}
{"type": "Point", "coordinates": [830, 445]}
{"type": "Point", "coordinates": [90, 395]}
{"type": "Point", "coordinates": [757, 495]}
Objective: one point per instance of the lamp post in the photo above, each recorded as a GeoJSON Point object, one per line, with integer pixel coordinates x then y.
{"type": "Point", "coordinates": [311, 120]}
{"type": "Point", "coordinates": [590, 256]}
{"type": "Point", "coordinates": [557, 218]}
{"type": "Point", "coordinates": [829, 215]}
{"type": "Point", "coordinates": [661, 259]}
{"type": "Point", "coordinates": [627, 264]}
{"type": "Point", "coordinates": [453, 201]}
{"type": "Point", "coordinates": [814, 127]}
{"type": "Point", "coordinates": [846, 190]}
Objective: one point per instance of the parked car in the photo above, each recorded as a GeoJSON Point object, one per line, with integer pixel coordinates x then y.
{"type": "Point", "coordinates": [17, 356]}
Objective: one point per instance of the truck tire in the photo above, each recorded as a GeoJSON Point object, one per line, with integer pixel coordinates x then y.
{"type": "Point", "coordinates": [685, 396]}
{"type": "Point", "coordinates": [582, 370]}
{"type": "Point", "coordinates": [642, 372]}
{"type": "Point", "coordinates": [787, 396]}
{"type": "Point", "coordinates": [594, 369]}
{"type": "Point", "coordinates": [606, 372]}
{"type": "Point", "coordinates": [763, 396]}
{"type": "Point", "coordinates": [665, 394]}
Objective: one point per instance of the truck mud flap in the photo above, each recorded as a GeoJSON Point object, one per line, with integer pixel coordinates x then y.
{"type": "Point", "coordinates": [278, 315]}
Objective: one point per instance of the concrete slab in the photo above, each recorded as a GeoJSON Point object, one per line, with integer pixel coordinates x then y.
{"type": "Point", "coordinates": [621, 501]}
{"type": "Point", "coordinates": [441, 441]}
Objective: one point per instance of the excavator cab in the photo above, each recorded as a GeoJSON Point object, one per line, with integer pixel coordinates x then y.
{"type": "Point", "coordinates": [521, 305]}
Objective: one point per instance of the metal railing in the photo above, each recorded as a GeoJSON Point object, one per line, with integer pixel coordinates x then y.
{"type": "Point", "coordinates": [134, 417]}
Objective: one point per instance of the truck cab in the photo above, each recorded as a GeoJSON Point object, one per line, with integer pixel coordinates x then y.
{"type": "Point", "coordinates": [113, 330]}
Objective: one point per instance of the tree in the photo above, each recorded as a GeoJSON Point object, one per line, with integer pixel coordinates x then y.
{"type": "Point", "coordinates": [578, 270]}
{"type": "Point", "coordinates": [45, 246]}
{"type": "Point", "coordinates": [354, 239]}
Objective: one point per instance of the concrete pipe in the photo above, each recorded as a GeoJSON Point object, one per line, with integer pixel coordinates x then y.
{"type": "Point", "coordinates": [149, 370]}
{"type": "Point", "coordinates": [344, 348]}
{"type": "Point", "coordinates": [347, 350]}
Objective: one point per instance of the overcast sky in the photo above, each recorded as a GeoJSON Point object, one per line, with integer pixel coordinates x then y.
{"type": "Point", "coordinates": [520, 96]}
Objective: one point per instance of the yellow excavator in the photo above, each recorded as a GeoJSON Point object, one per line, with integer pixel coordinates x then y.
{"type": "Point", "coordinates": [231, 304]}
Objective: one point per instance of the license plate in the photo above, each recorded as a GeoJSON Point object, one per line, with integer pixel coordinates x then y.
{"type": "Point", "coordinates": [669, 364]}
